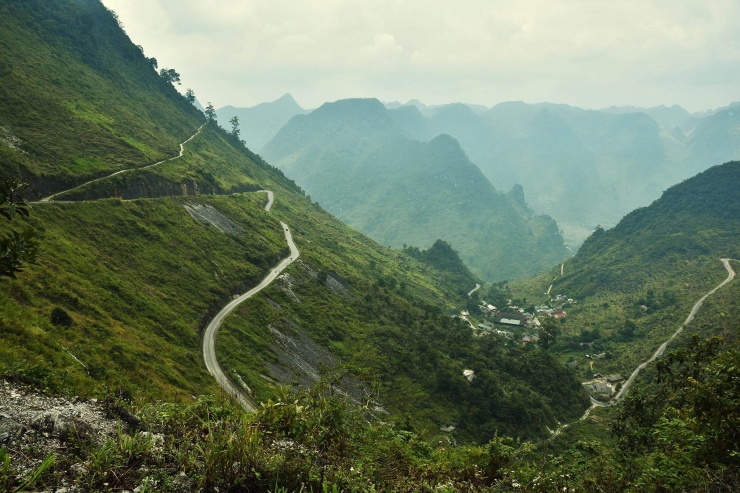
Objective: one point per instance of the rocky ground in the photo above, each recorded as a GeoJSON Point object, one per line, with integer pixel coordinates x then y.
{"type": "Point", "coordinates": [34, 427]}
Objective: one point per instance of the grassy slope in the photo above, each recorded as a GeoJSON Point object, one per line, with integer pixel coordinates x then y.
{"type": "Point", "coordinates": [141, 310]}
{"type": "Point", "coordinates": [138, 279]}
{"type": "Point", "coordinates": [395, 327]}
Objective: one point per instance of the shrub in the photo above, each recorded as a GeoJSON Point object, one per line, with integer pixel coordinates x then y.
{"type": "Point", "coordinates": [60, 317]}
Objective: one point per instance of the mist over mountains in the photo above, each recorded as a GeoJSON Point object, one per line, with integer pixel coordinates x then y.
{"type": "Point", "coordinates": [583, 167]}
{"type": "Point", "coordinates": [358, 162]}
{"type": "Point", "coordinates": [261, 122]}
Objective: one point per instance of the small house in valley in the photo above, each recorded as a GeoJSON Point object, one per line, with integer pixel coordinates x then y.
{"type": "Point", "coordinates": [514, 319]}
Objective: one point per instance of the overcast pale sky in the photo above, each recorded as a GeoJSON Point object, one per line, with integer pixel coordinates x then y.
{"type": "Point", "coordinates": [588, 53]}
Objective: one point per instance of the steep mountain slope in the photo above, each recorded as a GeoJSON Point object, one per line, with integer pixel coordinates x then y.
{"type": "Point", "coordinates": [353, 158]}
{"type": "Point", "coordinates": [260, 123]}
{"type": "Point", "coordinates": [78, 98]}
{"type": "Point", "coordinates": [134, 265]}
{"type": "Point", "coordinates": [697, 218]}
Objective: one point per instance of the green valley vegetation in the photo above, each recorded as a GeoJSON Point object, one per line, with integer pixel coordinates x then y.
{"type": "Point", "coordinates": [359, 164]}
{"type": "Point", "coordinates": [628, 290]}
{"type": "Point", "coordinates": [634, 284]}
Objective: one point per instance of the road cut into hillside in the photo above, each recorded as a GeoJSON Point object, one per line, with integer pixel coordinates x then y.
{"type": "Point", "coordinates": [209, 337]}
{"type": "Point", "coordinates": [658, 353]}
{"type": "Point", "coordinates": [179, 155]}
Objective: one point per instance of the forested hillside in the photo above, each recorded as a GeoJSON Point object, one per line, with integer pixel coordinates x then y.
{"type": "Point", "coordinates": [624, 294]}
{"type": "Point", "coordinates": [697, 218]}
{"type": "Point", "coordinates": [357, 162]}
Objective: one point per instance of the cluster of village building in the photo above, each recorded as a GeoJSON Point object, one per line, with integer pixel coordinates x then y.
{"type": "Point", "coordinates": [514, 317]}
{"type": "Point", "coordinates": [516, 324]}
{"type": "Point", "coordinates": [522, 326]}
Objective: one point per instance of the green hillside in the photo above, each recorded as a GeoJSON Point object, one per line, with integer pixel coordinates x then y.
{"type": "Point", "coordinates": [626, 292]}
{"type": "Point", "coordinates": [634, 284]}
{"type": "Point", "coordinates": [132, 266]}
{"type": "Point", "coordinates": [78, 98]}
{"type": "Point", "coordinates": [353, 158]}
{"type": "Point", "coordinates": [695, 219]}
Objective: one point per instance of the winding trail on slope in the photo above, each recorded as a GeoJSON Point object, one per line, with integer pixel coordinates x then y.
{"type": "Point", "coordinates": [270, 199]}
{"type": "Point", "coordinates": [658, 353]}
{"type": "Point", "coordinates": [209, 337]}
{"type": "Point", "coordinates": [476, 288]}
{"type": "Point", "coordinates": [562, 270]}
{"type": "Point", "coordinates": [182, 150]}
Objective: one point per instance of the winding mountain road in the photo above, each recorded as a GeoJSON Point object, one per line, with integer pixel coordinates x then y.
{"type": "Point", "coordinates": [270, 199]}
{"type": "Point", "coordinates": [209, 337]}
{"type": "Point", "coordinates": [658, 353]}
{"type": "Point", "coordinates": [182, 150]}
{"type": "Point", "coordinates": [476, 288]}
{"type": "Point", "coordinates": [562, 270]}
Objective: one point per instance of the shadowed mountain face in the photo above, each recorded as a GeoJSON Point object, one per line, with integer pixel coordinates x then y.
{"type": "Point", "coordinates": [584, 168]}
{"type": "Point", "coordinates": [355, 158]}
{"type": "Point", "coordinates": [699, 217]}
{"type": "Point", "coordinates": [260, 123]}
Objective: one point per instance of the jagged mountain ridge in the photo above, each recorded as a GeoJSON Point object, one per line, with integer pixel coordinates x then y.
{"type": "Point", "coordinates": [583, 167]}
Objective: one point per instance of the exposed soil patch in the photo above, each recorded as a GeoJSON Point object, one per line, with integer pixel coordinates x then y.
{"type": "Point", "coordinates": [209, 216]}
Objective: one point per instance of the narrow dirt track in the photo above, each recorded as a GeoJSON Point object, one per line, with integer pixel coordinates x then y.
{"type": "Point", "coordinates": [182, 150]}
{"type": "Point", "coordinates": [658, 353]}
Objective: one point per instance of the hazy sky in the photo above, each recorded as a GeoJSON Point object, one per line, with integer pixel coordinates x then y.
{"type": "Point", "coordinates": [588, 53]}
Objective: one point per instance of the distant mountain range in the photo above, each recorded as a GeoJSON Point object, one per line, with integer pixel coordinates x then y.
{"type": "Point", "coordinates": [260, 123]}
{"type": "Point", "coordinates": [355, 158]}
{"type": "Point", "coordinates": [583, 167]}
